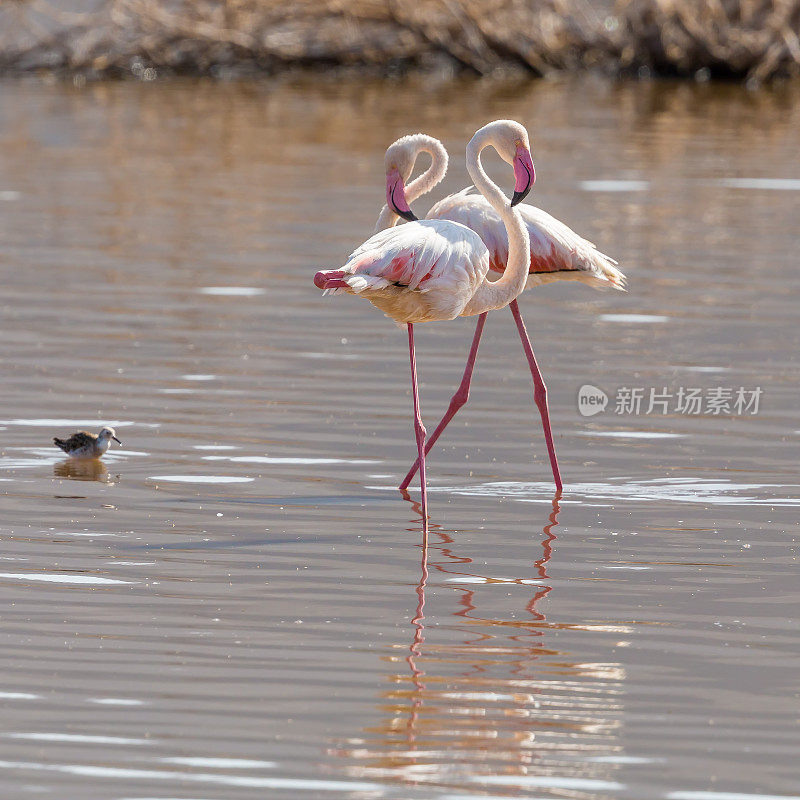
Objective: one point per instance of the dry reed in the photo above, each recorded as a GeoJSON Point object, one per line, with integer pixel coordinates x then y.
{"type": "Point", "coordinates": [752, 39]}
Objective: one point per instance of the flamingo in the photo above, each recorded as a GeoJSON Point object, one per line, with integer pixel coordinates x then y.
{"type": "Point", "coordinates": [436, 269]}
{"type": "Point", "coordinates": [556, 253]}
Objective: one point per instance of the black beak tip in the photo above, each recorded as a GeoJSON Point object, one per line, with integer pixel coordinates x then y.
{"type": "Point", "coordinates": [116, 440]}
{"type": "Point", "coordinates": [409, 216]}
{"type": "Point", "coordinates": [519, 196]}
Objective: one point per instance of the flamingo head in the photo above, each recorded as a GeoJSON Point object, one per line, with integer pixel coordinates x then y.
{"type": "Point", "coordinates": [510, 139]}
{"type": "Point", "coordinates": [399, 163]}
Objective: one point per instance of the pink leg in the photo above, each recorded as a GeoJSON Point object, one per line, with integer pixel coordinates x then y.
{"type": "Point", "coordinates": [459, 398]}
{"type": "Point", "coordinates": [539, 392]}
{"type": "Point", "coordinates": [419, 430]}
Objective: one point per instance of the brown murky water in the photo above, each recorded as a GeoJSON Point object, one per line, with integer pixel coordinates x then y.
{"type": "Point", "coordinates": [233, 605]}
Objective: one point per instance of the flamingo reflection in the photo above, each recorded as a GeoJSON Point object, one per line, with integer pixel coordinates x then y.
{"type": "Point", "coordinates": [419, 627]}
{"type": "Point", "coordinates": [486, 696]}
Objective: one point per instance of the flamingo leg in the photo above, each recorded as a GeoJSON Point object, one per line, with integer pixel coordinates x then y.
{"type": "Point", "coordinates": [419, 431]}
{"type": "Point", "coordinates": [459, 399]}
{"type": "Point", "coordinates": [539, 392]}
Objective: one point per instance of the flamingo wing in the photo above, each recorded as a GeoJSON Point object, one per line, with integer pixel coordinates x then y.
{"type": "Point", "coordinates": [420, 271]}
{"type": "Point", "coordinates": [557, 252]}
{"type": "Point", "coordinates": [417, 256]}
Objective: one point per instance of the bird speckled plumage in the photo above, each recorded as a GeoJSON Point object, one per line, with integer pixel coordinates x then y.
{"type": "Point", "coordinates": [87, 445]}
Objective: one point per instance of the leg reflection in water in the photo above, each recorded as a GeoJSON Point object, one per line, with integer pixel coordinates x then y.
{"type": "Point", "coordinates": [419, 629]}
{"type": "Point", "coordinates": [481, 696]}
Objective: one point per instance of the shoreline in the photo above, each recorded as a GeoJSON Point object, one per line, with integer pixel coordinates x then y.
{"type": "Point", "coordinates": [151, 39]}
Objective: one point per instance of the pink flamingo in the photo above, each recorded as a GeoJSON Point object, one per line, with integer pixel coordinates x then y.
{"type": "Point", "coordinates": [436, 269]}
{"type": "Point", "coordinates": [556, 253]}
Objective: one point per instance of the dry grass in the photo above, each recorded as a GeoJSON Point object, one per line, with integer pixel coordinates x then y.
{"type": "Point", "coordinates": [753, 39]}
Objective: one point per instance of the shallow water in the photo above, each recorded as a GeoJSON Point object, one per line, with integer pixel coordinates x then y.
{"type": "Point", "coordinates": [234, 605]}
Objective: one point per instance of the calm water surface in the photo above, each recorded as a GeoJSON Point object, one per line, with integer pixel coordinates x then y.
{"type": "Point", "coordinates": [234, 604]}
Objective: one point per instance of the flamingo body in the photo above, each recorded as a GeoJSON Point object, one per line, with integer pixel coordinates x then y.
{"type": "Point", "coordinates": [437, 269]}
{"type": "Point", "coordinates": [557, 252]}
{"type": "Point", "coordinates": [420, 272]}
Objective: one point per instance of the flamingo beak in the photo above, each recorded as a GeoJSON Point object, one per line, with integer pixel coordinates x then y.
{"type": "Point", "coordinates": [524, 174]}
{"type": "Point", "coordinates": [116, 440]}
{"type": "Point", "coordinates": [396, 196]}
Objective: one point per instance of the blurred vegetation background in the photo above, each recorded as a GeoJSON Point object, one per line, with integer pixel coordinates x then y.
{"type": "Point", "coordinates": [751, 40]}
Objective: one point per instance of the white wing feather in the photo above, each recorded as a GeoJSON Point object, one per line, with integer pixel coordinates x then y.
{"type": "Point", "coordinates": [557, 252]}
{"type": "Point", "coordinates": [417, 272]}
{"type": "Point", "coordinates": [415, 254]}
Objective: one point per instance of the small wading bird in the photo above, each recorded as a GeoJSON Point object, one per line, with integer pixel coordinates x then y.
{"type": "Point", "coordinates": [436, 269]}
{"type": "Point", "coordinates": [556, 253]}
{"type": "Point", "coordinates": [87, 445]}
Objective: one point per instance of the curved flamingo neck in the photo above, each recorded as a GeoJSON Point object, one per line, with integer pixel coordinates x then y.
{"type": "Point", "coordinates": [386, 219]}
{"type": "Point", "coordinates": [418, 143]}
{"type": "Point", "coordinates": [498, 294]}
{"type": "Point", "coordinates": [435, 172]}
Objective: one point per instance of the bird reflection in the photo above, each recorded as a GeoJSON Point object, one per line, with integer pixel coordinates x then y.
{"type": "Point", "coordinates": [88, 469]}
{"type": "Point", "coordinates": [487, 698]}
{"type": "Point", "coordinates": [419, 630]}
